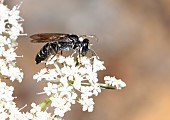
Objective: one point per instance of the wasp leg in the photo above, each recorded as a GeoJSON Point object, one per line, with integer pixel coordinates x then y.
{"type": "Point", "coordinates": [73, 53]}
{"type": "Point", "coordinates": [48, 52]}
{"type": "Point", "coordinates": [53, 50]}
{"type": "Point", "coordinates": [79, 56]}
{"type": "Point", "coordinates": [94, 53]}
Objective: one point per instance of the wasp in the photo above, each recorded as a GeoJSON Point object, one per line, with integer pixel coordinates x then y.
{"type": "Point", "coordinates": [56, 42]}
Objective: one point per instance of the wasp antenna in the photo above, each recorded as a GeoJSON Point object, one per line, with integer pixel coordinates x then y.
{"type": "Point", "coordinates": [89, 36]}
{"type": "Point", "coordinates": [93, 37]}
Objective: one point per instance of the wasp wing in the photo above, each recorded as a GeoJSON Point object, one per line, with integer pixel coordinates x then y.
{"type": "Point", "coordinates": [47, 37]}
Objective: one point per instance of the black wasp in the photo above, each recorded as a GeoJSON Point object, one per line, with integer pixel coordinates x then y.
{"type": "Point", "coordinates": [61, 42]}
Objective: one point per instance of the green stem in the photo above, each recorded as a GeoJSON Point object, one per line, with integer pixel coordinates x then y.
{"type": "Point", "coordinates": [4, 77]}
{"type": "Point", "coordinates": [45, 102]}
{"type": "Point", "coordinates": [102, 86]}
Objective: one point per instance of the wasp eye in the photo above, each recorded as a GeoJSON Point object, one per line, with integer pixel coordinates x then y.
{"type": "Point", "coordinates": [85, 40]}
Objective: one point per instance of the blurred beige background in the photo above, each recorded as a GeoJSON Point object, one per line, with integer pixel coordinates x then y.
{"type": "Point", "coordinates": [133, 41]}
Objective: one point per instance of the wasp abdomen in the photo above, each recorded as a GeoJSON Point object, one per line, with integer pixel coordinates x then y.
{"type": "Point", "coordinates": [45, 51]}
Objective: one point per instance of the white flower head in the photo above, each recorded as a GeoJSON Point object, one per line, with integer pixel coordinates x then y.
{"type": "Point", "coordinates": [61, 59]}
{"type": "Point", "coordinates": [8, 109]}
{"type": "Point", "coordinates": [119, 84]}
{"type": "Point", "coordinates": [70, 61]}
{"type": "Point", "coordinates": [87, 103]}
{"type": "Point", "coordinates": [10, 29]}
{"type": "Point", "coordinates": [84, 60]}
{"type": "Point", "coordinates": [51, 89]}
{"type": "Point", "coordinates": [73, 79]}
{"type": "Point", "coordinates": [10, 54]}
{"type": "Point", "coordinates": [40, 75]}
{"type": "Point", "coordinates": [35, 108]}
{"type": "Point", "coordinates": [97, 64]}
{"type": "Point", "coordinates": [36, 113]}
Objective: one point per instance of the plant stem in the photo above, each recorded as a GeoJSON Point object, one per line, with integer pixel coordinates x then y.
{"type": "Point", "coordinates": [45, 103]}
{"type": "Point", "coordinates": [102, 86]}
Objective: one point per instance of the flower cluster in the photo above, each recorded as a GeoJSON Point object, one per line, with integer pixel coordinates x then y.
{"type": "Point", "coordinates": [8, 109]}
{"type": "Point", "coordinates": [10, 29]}
{"type": "Point", "coordinates": [74, 79]}
{"type": "Point", "coordinates": [7, 106]}
{"type": "Point", "coordinates": [36, 114]}
{"type": "Point", "coordinates": [119, 84]}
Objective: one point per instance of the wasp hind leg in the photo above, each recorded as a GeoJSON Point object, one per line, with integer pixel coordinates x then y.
{"type": "Point", "coordinates": [53, 50]}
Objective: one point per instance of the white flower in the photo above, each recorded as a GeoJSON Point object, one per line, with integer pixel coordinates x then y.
{"type": "Point", "coordinates": [64, 80]}
{"type": "Point", "coordinates": [119, 84]}
{"type": "Point", "coordinates": [77, 83]}
{"type": "Point", "coordinates": [70, 61]}
{"type": "Point", "coordinates": [50, 89]}
{"type": "Point", "coordinates": [4, 41]}
{"type": "Point", "coordinates": [92, 76]}
{"type": "Point", "coordinates": [87, 104]}
{"type": "Point", "coordinates": [15, 73]}
{"type": "Point", "coordinates": [96, 89]}
{"type": "Point", "coordinates": [10, 54]}
{"type": "Point", "coordinates": [3, 115]}
{"type": "Point", "coordinates": [84, 60]}
{"type": "Point", "coordinates": [4, 69]}
{"type": "Point", "coordinates": [37, 114]}
{"type": "Point", "coordinates": [14, 16]}
{"type": "Point", "coordinates": [97, 64]}
{"type": "Point", "coordinates": [35, 108]}
{"type": "Point", "coordinates": [2, 25]}
{"type": "Point", "coordinates": [86, 91]}
{"type": "Point", "coordinates": [62, 98]}
{"type": "Point", "coordinates": [3, 11]}
{"type": "Point", "coordinates": [6, 92]}
{"type": "Point", "coordinates": [40, 74]}
{"type": "Point", "coordinates": [8, 109]}
{"type": "Point", "coordinates": [61, 105]}
{"type": "Point", "coordinates": [61, 59]}
{"type": "Point", "coordinates": [14, 33]}
{"type": "Point", "coordinates": [69, 70]}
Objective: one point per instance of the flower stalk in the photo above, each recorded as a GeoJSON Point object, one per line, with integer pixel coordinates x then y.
{"type": "Point", "coordinates": [45, 103]}
{"type": "Point", "coordinates": [101, 85]}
